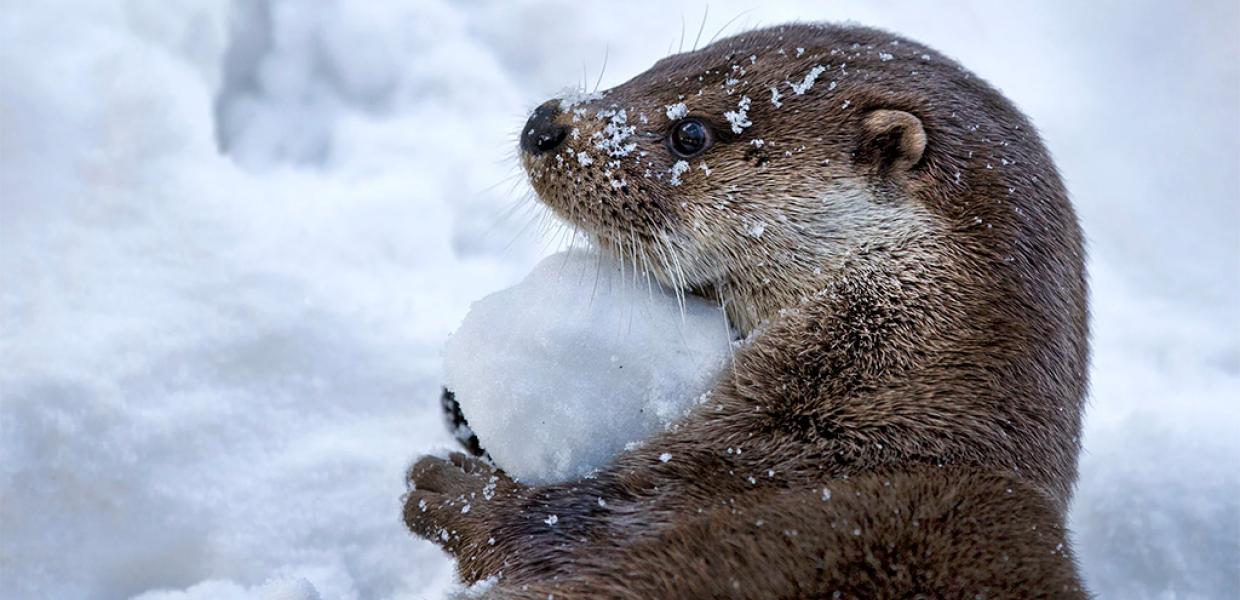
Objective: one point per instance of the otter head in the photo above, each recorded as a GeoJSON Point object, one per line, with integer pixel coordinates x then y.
{"type": "Point", "coordinates": [765, 166]}
{"type": "Point", "coordinates": [751, 170]}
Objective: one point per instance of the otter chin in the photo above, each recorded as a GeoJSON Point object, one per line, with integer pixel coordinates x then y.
{"type": "Point", "coordinates": [894, 239]}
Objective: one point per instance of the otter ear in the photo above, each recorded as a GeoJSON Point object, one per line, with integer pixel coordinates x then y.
{"type": "Point", "coordinates": [893, 139]}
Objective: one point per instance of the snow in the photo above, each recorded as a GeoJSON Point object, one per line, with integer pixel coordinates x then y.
{"type": "Point", "coordinates": [612, 139]}
{"type": "Point", "coordinates": [235, 238]}
{"type": "Point", "coordinates": [274, 589]}
{"type": "Point", "coordinates": [679, 168]}
{"type": "Point", "coordinates": [807, 83]}
{"type": "Point", "coordinates": [739, 118]}
{"type": "Point", "coordinates": [560, 372]}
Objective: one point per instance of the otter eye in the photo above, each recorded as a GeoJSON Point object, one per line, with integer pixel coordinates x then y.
{"type": "Point", "coordinates": [689, 138]}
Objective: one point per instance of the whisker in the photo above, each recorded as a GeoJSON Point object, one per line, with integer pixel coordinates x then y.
{"type": "Point", "coordinates": [531, 218]}
{"type": "Point", "coordinates": [506, 179]}
{"type": "Point", "coordinates": [681, 47]}
{"type": "Point", "coordinates": [697, 39]}
{"type": "Point", "coordinates": [727, 328]}
{"type": "Point", "coordinates": [598, 271]}
{"type": "Point", "coordinates": [726, 25]}
{"type": "Point", "coordinates": [682, 280]}
{"type": "Point", "coordinates": [606, 51]}
{"type": "Point", "coordinates": [506, 215]}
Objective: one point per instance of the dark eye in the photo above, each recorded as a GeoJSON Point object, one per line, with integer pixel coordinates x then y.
{"type": "Point", "coordinates": [689, 138]}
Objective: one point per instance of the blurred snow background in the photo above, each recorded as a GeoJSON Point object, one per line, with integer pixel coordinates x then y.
{"type": "Point", "coordinates": [234, 237]}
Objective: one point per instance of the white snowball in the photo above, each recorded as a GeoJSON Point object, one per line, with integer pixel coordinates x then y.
{"type": "Point", "coordinates": [558, 373]}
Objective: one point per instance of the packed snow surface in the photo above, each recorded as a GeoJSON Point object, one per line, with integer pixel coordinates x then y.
{"type": "Point", "coordinates": [234, 238]}
{"type": "Point", "coordinates": [560, 372]}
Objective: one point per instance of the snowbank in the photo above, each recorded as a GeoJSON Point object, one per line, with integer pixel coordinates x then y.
{"type": "Point", "coordinates": [233, 241]}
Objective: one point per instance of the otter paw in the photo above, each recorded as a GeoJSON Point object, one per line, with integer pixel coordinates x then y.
{"type": "Point", "coordinates": [450, 502]}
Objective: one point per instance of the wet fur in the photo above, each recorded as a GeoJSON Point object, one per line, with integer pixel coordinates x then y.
{"type": "Point", "coordinates": [918, 314]}
{"type": "Point", "coordinates": [924, 533]}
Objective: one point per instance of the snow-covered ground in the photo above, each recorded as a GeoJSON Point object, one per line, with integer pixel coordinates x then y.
{"type": "Point", "coordinates": [233, 239]}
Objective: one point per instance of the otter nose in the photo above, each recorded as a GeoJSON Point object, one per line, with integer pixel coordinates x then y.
{"type": "Point", "coordinates": [542, 133]}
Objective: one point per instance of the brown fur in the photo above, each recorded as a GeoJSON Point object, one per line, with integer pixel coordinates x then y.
{"type": "Point", "coordinates": [903, 257]}
{"type": "Point", "coordinates": [881, 535]}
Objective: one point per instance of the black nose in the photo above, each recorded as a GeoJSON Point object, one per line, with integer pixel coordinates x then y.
{"type": "Point", "coordinates": [542, 133]}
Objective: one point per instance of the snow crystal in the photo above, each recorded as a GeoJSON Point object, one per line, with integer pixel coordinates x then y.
{"type": "Point", "coordinates": [559, 372]}
{"type": "Point", "coordinates": [676, 112]}
{"type": "Point", "coordinates": [571, 97]}
{"type": "Point", "coordinates": [678, 169]}
{"type": "Point", "coordinates": [613, 138]}
{"type": "Point", "coordinates": [666, 456]}
{"type": "Point", "coordinates": [739, 118]}
{"type": "Point", "coordinates": [808, 82]}
{"type": "Point", "coordinates": [775, 97]}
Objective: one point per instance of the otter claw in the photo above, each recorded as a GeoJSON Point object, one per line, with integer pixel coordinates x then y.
{"type": "Point", "coordinates": [449, 477]}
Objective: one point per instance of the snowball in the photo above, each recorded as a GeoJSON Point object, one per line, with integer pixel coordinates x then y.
{"type": "Point", "coordinates": [558, 373]}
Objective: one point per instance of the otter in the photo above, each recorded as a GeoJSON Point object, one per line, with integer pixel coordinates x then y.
{"type": "Point", "coordinates": [890, 234]}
